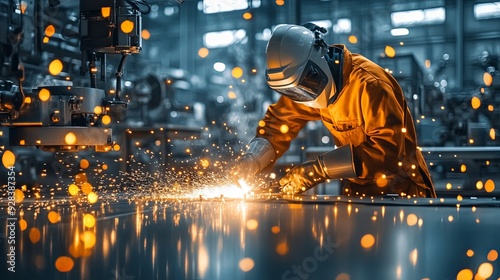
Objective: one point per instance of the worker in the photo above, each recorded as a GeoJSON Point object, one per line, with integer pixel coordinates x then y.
{"type": "Point", "coordinates": [360, 103]}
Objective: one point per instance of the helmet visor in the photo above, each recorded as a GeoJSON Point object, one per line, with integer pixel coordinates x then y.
{"type": "Point", "coordinates": [309, 85]}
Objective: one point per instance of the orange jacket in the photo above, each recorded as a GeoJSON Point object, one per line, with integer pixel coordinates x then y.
{"type": "Point", "coordinates": [369, 112]}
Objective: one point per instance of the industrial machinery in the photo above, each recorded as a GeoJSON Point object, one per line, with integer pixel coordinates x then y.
{"type": "Point", "coordinates": [67, 117]}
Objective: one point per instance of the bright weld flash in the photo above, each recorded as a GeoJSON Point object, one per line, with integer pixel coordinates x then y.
{"type": "Point", "coordinates": [225, 191]}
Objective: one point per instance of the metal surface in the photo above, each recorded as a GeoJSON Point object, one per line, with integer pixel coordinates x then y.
{"type": "Point", "coordinates": [305, 237]}
{"type": "Point", "coordinates": [56, 136]}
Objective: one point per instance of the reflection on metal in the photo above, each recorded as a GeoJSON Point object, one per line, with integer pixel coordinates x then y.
{"type": "Point", "coordinates": [296, 237]}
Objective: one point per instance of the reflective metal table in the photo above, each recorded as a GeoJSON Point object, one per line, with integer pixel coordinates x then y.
{"type": "Point", "coordinates": [314, 237]}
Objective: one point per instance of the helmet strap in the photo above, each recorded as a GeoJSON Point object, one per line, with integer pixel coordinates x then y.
{"type": "Point", "coordinates": [318, 34]}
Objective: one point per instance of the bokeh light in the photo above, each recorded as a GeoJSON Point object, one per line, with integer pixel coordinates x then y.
{"type": "Point", "coordinates": [489, 186]}
{"type": "Point", "coordinates": [50, 30]}
{"type": "Point", "coordinates": [84, 164]}
{"type": "Point", "coordinates": [246, 264]}
{"type": "Point", "coordinates": [145, 34]}
{"type": "Point", "coordinates": [465, 274]}
{"type": "Point", "coordinates": [411, 220]}
{"type": "Point", "coordinates": [86, 187]}
{"type": "Point", "coordinates": [487, 79]}
{"type": "Point", "coordinates": [44, 94]}
{"type": "Point", "coordinates": [18, 195]}
{"type": "Point", "coordinates": [485, 270]}
{"type": "Point", "coordinates": [252, 224]}
{"type": "Point", "coordinates": [92, 197]}
{"type": "Point", "coordinates": [475, 102]}
{"type": "Point", "coordinates": [89, 220]}
{"type": "Point", "coordinates": [203, 52]}
{"type": "Point", "coordinates": [64, 264]}
{"type": "Point", "coordinates": [390, 51]}
{"type": "Point", "coordinates": [106, 119]}
{"type": "Point", "coordinates": [367, 241]}
{"type": "Point", "coordinates": [54, 217]}
{"type": "Point", "coordinates": [70, 138]}
{"type": "Point", "coordinates": [34, 235]}
{"type": "Point", "coordinates": [353, 39]}
{"type": "Point", "coordinates": [237, 72]}
{"type": "Point", "coordinates": [127, 26]}
{"type": "Point", "coordinates": [55, 67]}
{"type": "Point", "coordinates": [8, 159]}
{"type": "Point", "coordinates": [88, 239]}
{"type": "Point", "coordinates": [105, 12]}
{"type": "Point", "coordinates": [73, 189]}
{"type": "Point", "coordinates": [282, 248]}
{"type": "Point", "coordinates": [492, 255]}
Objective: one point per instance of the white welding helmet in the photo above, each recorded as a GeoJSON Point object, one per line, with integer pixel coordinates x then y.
{"type": "Point", "coordinates": [296, 67]}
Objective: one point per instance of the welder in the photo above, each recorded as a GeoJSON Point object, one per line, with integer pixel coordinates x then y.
{"type": "Point", "coordinates": [375, 148]}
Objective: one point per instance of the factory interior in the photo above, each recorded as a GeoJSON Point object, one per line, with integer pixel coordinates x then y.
{"type": "Point", "coordinates": [120, 121]}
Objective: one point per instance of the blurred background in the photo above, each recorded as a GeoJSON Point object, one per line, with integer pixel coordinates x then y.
{"type": "Point", "coordinates": [104, 87]}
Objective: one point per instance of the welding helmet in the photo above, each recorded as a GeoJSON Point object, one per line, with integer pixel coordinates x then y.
{"type": "Point", "coordinates": [297, 68]}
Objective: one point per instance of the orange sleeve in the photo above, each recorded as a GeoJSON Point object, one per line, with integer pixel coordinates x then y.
{"type": "Point", "coordinates": [383, 116]}
{"type": "Point", "coordinates": [283, 122]}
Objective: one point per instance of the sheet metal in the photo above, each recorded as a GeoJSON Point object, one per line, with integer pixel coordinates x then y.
{"type": "Point", "coordinates": [270, 237]}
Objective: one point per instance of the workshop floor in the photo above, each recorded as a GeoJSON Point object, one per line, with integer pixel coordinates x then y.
{"type": "Point", "coordinates": [306, 237]}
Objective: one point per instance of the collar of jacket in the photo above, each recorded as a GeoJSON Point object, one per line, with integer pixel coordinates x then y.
{"type": "Point", "coordinates": [339, 70]}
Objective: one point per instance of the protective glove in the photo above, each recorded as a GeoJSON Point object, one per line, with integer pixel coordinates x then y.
{"type": "Point", "coordinates": [245, 168]}
{"type": "Point", "coordinates": [303, 177]}
{"type": "Point", "coordinates": [260, 154]}
{"type": "Point", "coordinates": [336, 164]}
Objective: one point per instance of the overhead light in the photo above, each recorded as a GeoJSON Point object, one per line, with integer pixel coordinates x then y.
{"type": "Point", "coordinates": [418, 17]}
{"type": "Point", "coordinates": [225, 38]}
{"type": "Point", "coordinates": [400, 32]}
{"type": "Point", "coordinates": [487, 10]}
{"type": "Point", "coordinates": [215, 6]}
{"type": "Point", "coordinates": [343, 25]}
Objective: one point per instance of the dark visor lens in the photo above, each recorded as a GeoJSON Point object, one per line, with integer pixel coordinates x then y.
{"type": "Point", "coordinates": [297, 94]}
{"type": "Point", "coordinates": [311, 84]}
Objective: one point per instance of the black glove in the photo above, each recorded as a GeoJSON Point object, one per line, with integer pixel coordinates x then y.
{"type": "Point", "coordinates": [303, 177]}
